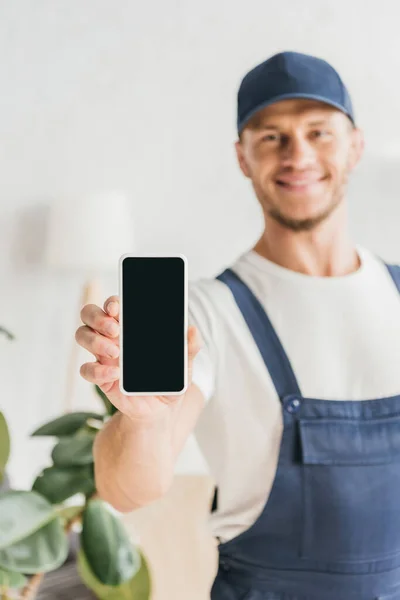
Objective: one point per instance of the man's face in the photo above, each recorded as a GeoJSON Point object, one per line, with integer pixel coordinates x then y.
{"type": "Point", "coordinates": [298, 154]}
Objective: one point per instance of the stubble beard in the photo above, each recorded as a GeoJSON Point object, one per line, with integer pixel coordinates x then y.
{"type": "Point", "coordinates": [311, 223]}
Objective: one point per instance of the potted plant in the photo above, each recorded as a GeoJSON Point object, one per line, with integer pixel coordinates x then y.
{"type": "Point", "coordinates": [36, 525]}
{"type": "Point", "coordinates": [4, 452]}
{"type": "Point", "coordinates": [4, 435]}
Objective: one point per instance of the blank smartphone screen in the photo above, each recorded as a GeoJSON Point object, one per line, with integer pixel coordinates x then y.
{"type": "Point", "coordinates": [153, 295]}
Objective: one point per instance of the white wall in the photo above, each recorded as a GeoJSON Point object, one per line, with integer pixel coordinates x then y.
{"type": "Point", "coordinates": [138, 96]}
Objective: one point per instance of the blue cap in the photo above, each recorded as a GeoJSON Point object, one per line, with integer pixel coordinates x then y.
{"type": "Point", "coordinates": [291, 75]}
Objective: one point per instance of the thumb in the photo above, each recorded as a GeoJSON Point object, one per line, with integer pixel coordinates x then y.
{"type": "Point", "coordinates": [195, 344]}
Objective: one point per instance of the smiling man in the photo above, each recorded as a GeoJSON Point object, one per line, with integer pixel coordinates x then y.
{"type": "Point", "coordinates": [298, 154]}
{"type": "Point", "coordinates": [295, 394]}
{"type": "Point", "coordinates": [305, 429]}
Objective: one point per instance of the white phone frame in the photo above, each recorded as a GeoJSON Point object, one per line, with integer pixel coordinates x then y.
{"type": "Point", "coordinates": [185, 327]}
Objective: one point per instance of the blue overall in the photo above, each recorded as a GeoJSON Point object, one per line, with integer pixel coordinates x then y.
{"type": "Point", "coordinates": [330, 529]}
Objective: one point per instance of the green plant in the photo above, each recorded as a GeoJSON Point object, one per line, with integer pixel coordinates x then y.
{"type": "Point", "coordinates": [4, 446]}
{"type": "Point", "coordinates": [7, 333]}
{"type": "Point", "coordinates": [35, 524]}
{"type": "Point", "coordinates": [4, 432]}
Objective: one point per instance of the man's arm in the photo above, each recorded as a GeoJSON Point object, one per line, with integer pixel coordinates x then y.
{"type": "Point", "coordinates": [134, 460]}
{"type": "Point", "coordinates": [135, 452]}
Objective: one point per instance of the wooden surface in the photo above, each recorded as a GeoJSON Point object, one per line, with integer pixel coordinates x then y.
{"type": "Point", "coordinates": [174, 537]}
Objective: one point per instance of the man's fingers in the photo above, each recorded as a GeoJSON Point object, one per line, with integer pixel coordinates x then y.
{"type": "Point", "coordinates": [95, 343]}
{"type": "Point", "coordinates": [97, 319]}
{"type": "Point", "coordinates": [111, 306]}
{"type": "Point", "coordinates": [98, 373]}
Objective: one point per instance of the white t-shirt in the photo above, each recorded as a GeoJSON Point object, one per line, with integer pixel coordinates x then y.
{"type": "Point", "coordinates": [342, 337]}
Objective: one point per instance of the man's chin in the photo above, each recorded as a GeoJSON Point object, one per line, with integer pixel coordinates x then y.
{"type": "Point", "coordinates": [301, 224]}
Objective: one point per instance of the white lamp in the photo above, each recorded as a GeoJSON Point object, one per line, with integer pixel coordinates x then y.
{"type": "Point", "coordinates": [87, 235]}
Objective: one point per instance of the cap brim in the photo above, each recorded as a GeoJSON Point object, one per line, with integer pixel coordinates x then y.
{"type": "Point", "coordinates": [244, 122]}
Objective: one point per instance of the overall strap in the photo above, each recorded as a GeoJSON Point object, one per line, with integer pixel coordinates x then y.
{"type": "Point", "coordinates": [394, 271]}
{"type": "Point", "coordinates": [269, 345]}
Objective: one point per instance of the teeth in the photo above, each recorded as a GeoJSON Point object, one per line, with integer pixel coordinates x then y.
{"type": "Point", "coordinates": [298, 184]}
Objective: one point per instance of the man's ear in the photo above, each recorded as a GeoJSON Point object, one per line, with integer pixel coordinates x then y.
{"type": "Point", "coordinates": [241, 159]}
{"type": "Point", "coordinates": [357, 146]}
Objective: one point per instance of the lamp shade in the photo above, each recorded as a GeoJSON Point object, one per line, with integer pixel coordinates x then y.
{"type": "Point", "coordinates": [89, 233]}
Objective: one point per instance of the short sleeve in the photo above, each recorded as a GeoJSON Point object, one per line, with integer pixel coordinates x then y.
{"type": "Point", "coordinates": [204, 364]}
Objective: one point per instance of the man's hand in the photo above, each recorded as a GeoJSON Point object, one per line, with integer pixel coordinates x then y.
{"type": "Point", "coordinates": [100, 335]}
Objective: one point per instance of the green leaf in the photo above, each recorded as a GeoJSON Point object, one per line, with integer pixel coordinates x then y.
{"type": "Point", "coordinates": [75, 450]}
{"type": "Point", "coordinates": [107, 546]}
{"type": "Point", "coordinates": [43, 551]}
{"type": "Point", "coordinates": [21, 514]}
{"type": "Point", "coordinates": [110, 408]}
{"type": "Point", "coordinates": [67, 424]}
{"type": "Point", "coordinates": [10, 579]}
{"type": "Point", "coordinates": [7, 333]}
{"type": "Point", "coordinates": [137, 588]}
{"type": "Point", "coordinates": [57, 484]}
{"type": "Point", "coordinates": [67, 513]}
{"type": "Point", "coordinates": [4, 445]}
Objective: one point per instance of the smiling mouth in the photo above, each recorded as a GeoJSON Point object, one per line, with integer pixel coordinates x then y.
{"type": "Point", "coordinates": [299, 185]}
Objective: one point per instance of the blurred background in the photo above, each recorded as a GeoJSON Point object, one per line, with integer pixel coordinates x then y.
{"type": "Point", "coordinates": [129, 108]}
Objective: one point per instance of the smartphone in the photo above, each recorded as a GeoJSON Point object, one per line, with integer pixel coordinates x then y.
{"type": "Point", "coordinates": [153, 324]}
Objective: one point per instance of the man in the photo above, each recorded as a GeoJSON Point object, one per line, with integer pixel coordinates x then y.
{"type": "Point", "coordinates": [295, 392]}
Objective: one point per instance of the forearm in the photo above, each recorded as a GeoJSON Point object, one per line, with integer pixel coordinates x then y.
{"type": "Point", "coordinates": [134, 461]}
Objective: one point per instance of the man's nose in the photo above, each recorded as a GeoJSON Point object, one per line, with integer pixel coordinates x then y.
{"type": "Point", "coordinates": [298, 153]}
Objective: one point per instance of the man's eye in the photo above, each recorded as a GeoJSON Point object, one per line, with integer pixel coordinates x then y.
{"type": "Point", "coordinates": [320, 133]}
{"type": "Point", "coordinates": [271, 137]}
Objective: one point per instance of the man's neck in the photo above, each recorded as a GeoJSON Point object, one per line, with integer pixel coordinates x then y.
{"type": "Point", "coordinates": [327, 251]}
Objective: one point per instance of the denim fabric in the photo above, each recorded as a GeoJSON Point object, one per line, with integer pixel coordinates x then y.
{"type": "Point", "coordinates": [330, 529]}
